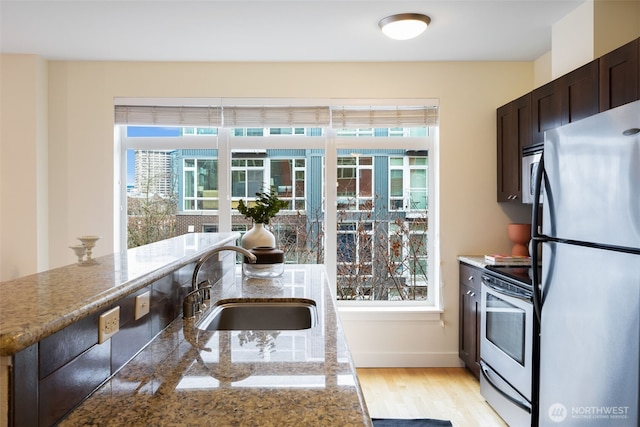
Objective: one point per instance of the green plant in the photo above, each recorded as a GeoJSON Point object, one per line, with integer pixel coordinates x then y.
{"type": "Point", "coordinates": [265, 207]}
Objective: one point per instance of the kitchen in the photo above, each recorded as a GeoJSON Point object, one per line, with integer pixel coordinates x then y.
{"type": "Point", "coordinates": [80, 98]}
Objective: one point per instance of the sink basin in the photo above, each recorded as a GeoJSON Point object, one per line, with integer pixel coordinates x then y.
{"type": "Point", "coordinates": [256, 315]}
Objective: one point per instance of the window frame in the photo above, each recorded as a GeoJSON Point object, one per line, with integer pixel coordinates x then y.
{"type": "Point", "coordinates": [406, 143]}
{"type": "Point", "coordinates": [330, 142]}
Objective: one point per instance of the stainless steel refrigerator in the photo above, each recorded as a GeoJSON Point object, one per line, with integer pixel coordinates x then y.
{"type": "Point", "coordinates": [589, 289]}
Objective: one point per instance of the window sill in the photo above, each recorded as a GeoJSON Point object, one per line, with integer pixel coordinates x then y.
{"type": "Point", "coordinates": [393, 313]}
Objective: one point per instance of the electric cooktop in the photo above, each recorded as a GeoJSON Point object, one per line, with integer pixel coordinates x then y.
{"type": "Point", "coordinates": [520, 275]}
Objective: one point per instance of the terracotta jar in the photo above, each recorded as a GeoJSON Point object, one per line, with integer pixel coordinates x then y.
{"type": "Point", "coordinates": [520, 235]}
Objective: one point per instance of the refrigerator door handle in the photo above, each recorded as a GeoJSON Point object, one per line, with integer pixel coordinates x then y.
{"type": "Point", "coordinates": [536, 238]}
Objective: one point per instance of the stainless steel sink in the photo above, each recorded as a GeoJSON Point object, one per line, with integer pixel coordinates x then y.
{"type": "Point", "coordinates": [260, 314]}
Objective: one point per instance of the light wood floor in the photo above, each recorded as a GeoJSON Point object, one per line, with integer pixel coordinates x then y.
{"type": "Point", "coordinates": [443, 393]}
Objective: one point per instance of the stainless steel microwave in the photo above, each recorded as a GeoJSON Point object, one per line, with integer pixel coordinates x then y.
{"type": "Point", "coordinates": [530, 163]}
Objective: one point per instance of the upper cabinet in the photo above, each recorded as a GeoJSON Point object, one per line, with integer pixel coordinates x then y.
{"type": "Point", "coordinates": [571, 97]}
{"type": "Point", "coordinates": [546, 107]}
{"type": "Point", "coordinates": [514, 133]}
{"type": "Point", "coordinates": [604, 83]}
{"type": "Point", "coordinates": [580, 93]}
{"type": "Point", "coordinates": [620, 76]}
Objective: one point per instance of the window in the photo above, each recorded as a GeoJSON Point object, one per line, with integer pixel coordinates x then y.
{"type": "Point", "coordinates": [355, 260]}
{"type": "Point", "coordinates": [408, 183]}
{"type": "Point", "coordinates": [408, 252]}
{"type": "Point", "coordinates": [247, 178]}
{"type": "Point", "coordinates": [382, 237]}
{"type": "Point", "coordinates": [199, 131]}
{"type": "Point", "coordinates": [355, 183]}
{"type": "Point", "coordinates": [200, 184]}
{"type": "Point", "coordinates": [284, 171]}
{"type": "Point", "coordinates": [150, 196]}
{"type": "Point", "coordinates": [288, 179]}
{"type": "Point", "coordinates": [372, 231]}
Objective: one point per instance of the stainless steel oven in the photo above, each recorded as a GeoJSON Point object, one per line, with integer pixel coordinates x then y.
{"type": "Point", "coordinates": [507, 347]}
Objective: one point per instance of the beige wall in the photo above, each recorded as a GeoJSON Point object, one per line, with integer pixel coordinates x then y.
{"type": "Point", "coordinates": [81, 130]}
{"type": "Point", "coordinates": [572, 40]}
{"type": "Point", "coordinates": [81, 154]}
{"type": "Point", "coordinates": [542, 70]}
{"type": "Point", "coordinates": [23, 166]}
{"type": "Point", "coordinates": [616, 22]}
{"type": "Point", "coordinates": [592, 30]}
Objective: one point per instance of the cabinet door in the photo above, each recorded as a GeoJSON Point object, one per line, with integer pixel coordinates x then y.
{"type": "Point", "coordinates": [620, 76]}
{"type": "Point", "coordinates": [546, 105]}
{"type": "Point", "coordinates": [566, 99]}
{"type": "Point", "coordinates": [469, 343]}
{"type": "Point", "coordinates": [580, 93]}
{"type": "Point", "coordinates": [469, 333]}
{"type": "Point", "coordinates": [513, 133]}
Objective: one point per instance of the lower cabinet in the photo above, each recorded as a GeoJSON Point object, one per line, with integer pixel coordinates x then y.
{"type": "Point", "coordinates": [54, 375]}
{"type": "Point", "coordinates": [469, 334]}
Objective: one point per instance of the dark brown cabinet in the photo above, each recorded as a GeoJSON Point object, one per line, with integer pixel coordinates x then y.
{"type": "Point", "coordinates": [566, 99]}
{"type": "Point", "coordinates": [579, 93]}
{"type": "Point", "coordinates": [523, 122]}
{"type": "Point", "coordinates": [514, 132]}
{"type": "Point", "coordinates": [546, 107]}
{"type": "Point", "coordinates": [620, 76]}
{"type": "Point", "coordinates": [613, 79]}
{"type": "Point", "coordinates": [469, 334]}
{"type": "Point", "coordinates": [52, 376]}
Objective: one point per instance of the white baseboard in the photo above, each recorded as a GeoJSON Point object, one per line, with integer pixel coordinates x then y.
{"type": "Point", "coordinates": [405, 360]}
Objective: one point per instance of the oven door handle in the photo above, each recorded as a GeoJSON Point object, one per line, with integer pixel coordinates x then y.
{"type": "Point", "coordinates": [508, 292]}
{"type": "Point", "coordinates": [520, 403]}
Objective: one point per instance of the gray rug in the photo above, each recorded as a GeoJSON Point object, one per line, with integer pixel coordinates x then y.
{"type": "Point", "coordinates": [423, 422]}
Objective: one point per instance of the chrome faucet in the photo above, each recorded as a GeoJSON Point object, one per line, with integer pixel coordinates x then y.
{"type": "Point", "coordinates": [194, 279]}
{"type": "Point", "coordinates": [194, 300]}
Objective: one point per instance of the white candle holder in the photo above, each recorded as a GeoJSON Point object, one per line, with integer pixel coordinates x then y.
{"type": "Point", "coordinates": [89, 242]}
{"type": "Point", "coordinates": [79, 250]}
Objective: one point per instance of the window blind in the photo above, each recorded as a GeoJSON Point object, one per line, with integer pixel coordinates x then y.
{"type": "Point", "coordinates": [383, 116]}
{"type": "Point", "coordinates": [205, 116]}
{"type": "Point", "coordinates": [278, 116]}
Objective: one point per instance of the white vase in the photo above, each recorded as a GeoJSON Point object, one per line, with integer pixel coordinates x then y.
{"type": "Point", "coordinates": [258, 236]}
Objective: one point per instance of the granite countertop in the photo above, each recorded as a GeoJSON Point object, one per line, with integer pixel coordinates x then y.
{"type": "Point", "coordinates": [36, 306]}
{"type": "Point", "coordinates": [474, 260]}
{"type": "Point", "coordinates": [241, 378]}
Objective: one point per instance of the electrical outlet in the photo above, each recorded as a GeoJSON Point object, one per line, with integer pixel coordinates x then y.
{"type": "Point", "coordinates": [108, 324]}
{"type": "Point", "coordinates": [142, 305]}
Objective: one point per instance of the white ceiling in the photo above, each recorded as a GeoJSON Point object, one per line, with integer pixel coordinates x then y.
{"type": "Point", "coordinates": [271, 30]}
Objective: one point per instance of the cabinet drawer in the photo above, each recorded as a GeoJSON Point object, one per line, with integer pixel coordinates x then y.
{"type": "Point", "coordinates": [471, 276]}
{"type": "Point", "coordinates": [63, 346]}
{"type": "Point", "coordinates": [61, 391]}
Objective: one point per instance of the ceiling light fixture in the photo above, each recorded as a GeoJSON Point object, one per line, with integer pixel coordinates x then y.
{"type": "Point", "coordinates": [404, 26]}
